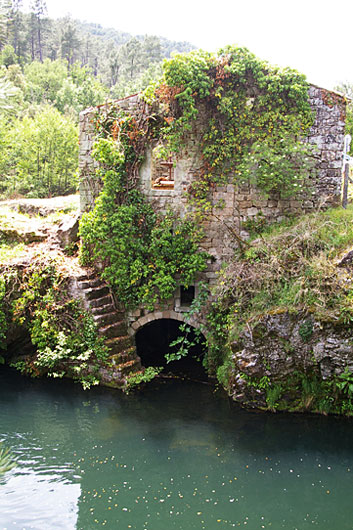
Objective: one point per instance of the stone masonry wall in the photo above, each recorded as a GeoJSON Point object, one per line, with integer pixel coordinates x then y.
{"type": "Point", "coordinates": [239, 203]}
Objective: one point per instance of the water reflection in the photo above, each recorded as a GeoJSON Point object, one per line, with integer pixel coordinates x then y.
{"type": "Point", "coordinates": [176, 457]}
{"type": "Point", "coordinates": [40, 501]}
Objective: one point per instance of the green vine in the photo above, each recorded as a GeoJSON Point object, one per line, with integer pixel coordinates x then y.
{"type": "Point", "coordinates": [64, 335]}
{"type": "Point", "coordinates": [252, 117]}
{"type": "Point", "coordinates": [135, 380]}
{"type": "Point", "coordinates": [249, 118]}
{"type": "Point", "coordinates": [145, 254]}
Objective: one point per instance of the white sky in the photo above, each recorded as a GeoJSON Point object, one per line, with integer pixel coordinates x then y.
{"type": "Point", "coordinates": [313, 36]}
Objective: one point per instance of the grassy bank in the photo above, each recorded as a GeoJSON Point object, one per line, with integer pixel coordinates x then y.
{"type": "Point", "coordinates": [296, 276]}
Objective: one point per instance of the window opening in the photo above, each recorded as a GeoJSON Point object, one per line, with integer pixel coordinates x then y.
{"type": "Point", "coordinates": [162, 174]}
{"type": "Point", "coordinates": [187, 295]}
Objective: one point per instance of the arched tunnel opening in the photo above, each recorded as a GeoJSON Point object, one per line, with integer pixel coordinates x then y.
{"type": "Point", "coordinates": [153, 343]}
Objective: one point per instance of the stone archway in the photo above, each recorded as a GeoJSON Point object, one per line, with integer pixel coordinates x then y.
{"type": "Point", "coordinates": [158, 315]}
{"type": "Point", "coordinates": [153, 335]}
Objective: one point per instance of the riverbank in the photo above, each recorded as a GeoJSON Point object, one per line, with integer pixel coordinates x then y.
{"type": "Point", "coordinates": [289, 305]}
{"type": "Point", "coordinates": [279, 331]}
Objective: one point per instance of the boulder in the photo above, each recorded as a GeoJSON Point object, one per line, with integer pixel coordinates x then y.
{"type": "Point", "coordinates": [67, 233]}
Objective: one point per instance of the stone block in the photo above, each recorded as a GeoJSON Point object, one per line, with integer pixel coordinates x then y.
{"type": "Point", "coordinates": [252, 211]}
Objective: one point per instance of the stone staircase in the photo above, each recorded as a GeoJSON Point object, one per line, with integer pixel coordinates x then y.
{"type": "Point", "coordinates": [98, 300]}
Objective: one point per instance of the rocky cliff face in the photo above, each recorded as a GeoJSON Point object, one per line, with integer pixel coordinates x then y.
{"type": "Point", "coordinates": [281, 350]}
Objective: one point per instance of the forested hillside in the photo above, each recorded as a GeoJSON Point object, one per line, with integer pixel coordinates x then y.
{"type": "Point", "coordinates": [49, 71]}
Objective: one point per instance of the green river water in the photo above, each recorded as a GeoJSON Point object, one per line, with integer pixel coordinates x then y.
{"type": "Point", "coordinates": [175, 456]}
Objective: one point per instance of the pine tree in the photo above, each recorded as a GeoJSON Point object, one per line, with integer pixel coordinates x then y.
{"type": "Point", "coordinates": [70, 42]}
{"type": "Point", "coordinates": [38, 12]}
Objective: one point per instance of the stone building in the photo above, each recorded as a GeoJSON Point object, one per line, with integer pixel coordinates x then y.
{"type": "Point", "coordinates": [165, 184]}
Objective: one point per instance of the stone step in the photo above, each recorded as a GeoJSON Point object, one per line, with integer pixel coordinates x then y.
{"type": "Point", "coordinates": [119, 358]}
{"type": "Point", "coordinates": [113, 330]}
{"type": "Point", "coordinates": [103, 309]}
{"type": "Point", "coordinates": [107, 318]}
{"type": "Point", "coordinates": [131, 352]}
{"type": "Point", "coordinates": [107, 308]}
{"type": "Point", "coordinates": [88, 284]}
{"type": "Point", "coordinates": [119, 344]}
{"type": "Point", "coordinates": [129, 367]}
{"type": "Point", "coordinates": [83, 284]}
{"type": "Point", "coordinates": [112, 379]}
{"type": "Point", "coordinates": [124, 356]}
{"type": "Point", "coordinates": [99, 302]}
{"type": "Point", "coordinates": [87, 275]}
{"type": "Point", "coordinates": [96, 292]}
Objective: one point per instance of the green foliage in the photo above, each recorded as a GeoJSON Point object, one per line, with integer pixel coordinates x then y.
{"type": "Point", "coordinates": [44, 80]}
{"type": "Point", "coordinates": [137, 379]}
{"type": "Point", "coordinates": [64, 334]}
{"type": "Point", "coordinates": [306, 330]}
{"type": "Point", "coordinates": [9, 97]}
{"type": "Point", "coordinates": [282, 166]}
{"type": "Point", "coordinates": [224, 373]}
{"type": "Point", "coordinates": [144, 253]}
{"type": "Point", "coordinates": [6, 461]}
{"type": "Point", "coordinates": [255, 117]}
{"type": "Point", "coordinates": [218, 350]}
{"type": "Point", "coordinates": [38, 156]}
{"type": "Point", "coordinates": [273, 395]}
{"type": "Point", "coordinates": [345, 383]}
{"type": "Point", "coordinates": [184, 342]}
{"type": "Point", "coordinates": [292, 268]}
{"type": "Point", "coordinates": [190, 336]}
{"type": "Point", "coordinates": [307, 391]}
{"type": "Point", "coordinates": [315, 393]}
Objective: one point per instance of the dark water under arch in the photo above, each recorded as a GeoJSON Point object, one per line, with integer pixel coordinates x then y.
{"type": "Point", "coordinates": [153, 342]}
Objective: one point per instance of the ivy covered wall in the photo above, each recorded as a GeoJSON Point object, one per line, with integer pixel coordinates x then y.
{"type": "Point", "coordinates": [249, 144]}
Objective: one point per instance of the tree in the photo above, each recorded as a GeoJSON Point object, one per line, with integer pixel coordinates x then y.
{"type": "Point", "coordinates": [91, 93]}
{"type": "Point", "coordinates": [17, 27]}
{"type": "Point", "coordinates": [8, 95]}
{"type": "Point", "coordinates": [70, 42]}
{"type": "Point", "coordinates": [8, 56]}
{"type": "Point", "coordinates": [38, 11]}
{"type": "Point", "coordinates": [152, 50]}
{"type": "Point", "coordinates": [4, 21]}
{"type": "Point", "coordinates": [114, 67]}
{"type": "Point", "coordinates": [131, 54]}
{"type": "Point", "coordinates": [39, 155]}
{"type": "Point", "coordinates": [44, 80]}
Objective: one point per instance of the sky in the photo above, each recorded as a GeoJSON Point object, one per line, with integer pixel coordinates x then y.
{"type": "Point", "coordinates": [312, 36]}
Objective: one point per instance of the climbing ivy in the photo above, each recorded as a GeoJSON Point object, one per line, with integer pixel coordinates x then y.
{"type": "Point", "coordinates": [252, 117]}
{"type": "Point", "coordinates": [145, 254]}
{"type": "Point", "coordinates": [249, 119]}
{"type": "Point", "coordinates": [65, 336]}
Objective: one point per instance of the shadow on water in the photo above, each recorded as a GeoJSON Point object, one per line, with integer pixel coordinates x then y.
{"type": "Point", "coordinates": [162, 403]}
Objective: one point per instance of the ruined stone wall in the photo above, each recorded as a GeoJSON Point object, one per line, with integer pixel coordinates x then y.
{"type": "Point", "coordinates": [239, 203]}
